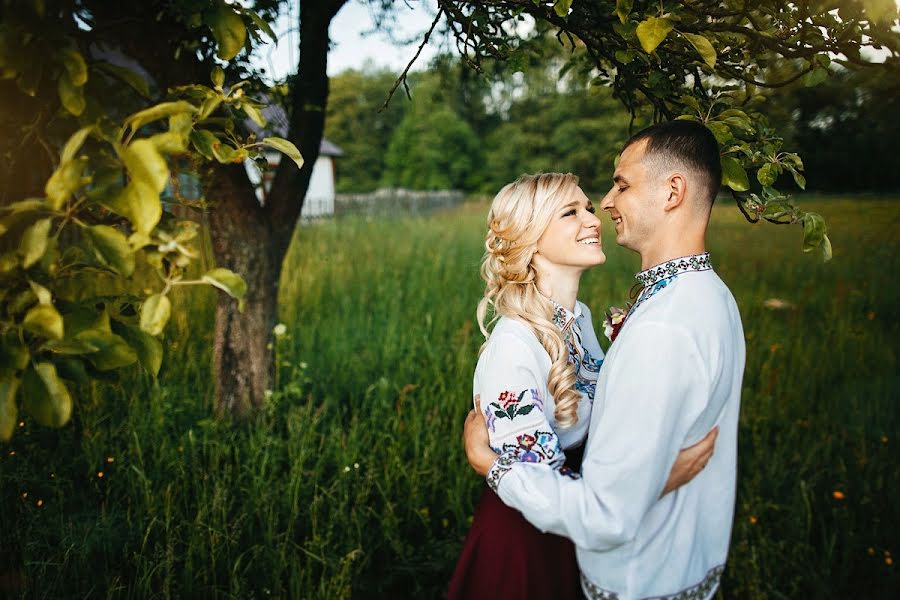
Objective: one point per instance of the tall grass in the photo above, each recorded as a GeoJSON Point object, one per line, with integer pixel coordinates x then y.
{"type": "Point", "coordinates": [353, 483]}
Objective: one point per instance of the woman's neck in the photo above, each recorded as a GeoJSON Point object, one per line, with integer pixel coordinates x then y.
{"type": "Point", "coordinates": [560, 285]}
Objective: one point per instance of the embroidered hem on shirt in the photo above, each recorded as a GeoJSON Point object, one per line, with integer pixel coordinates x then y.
{"type": "Point", "coordinates": [698, 591]}
{"type": "Point", "coordinates": [685, 264]}
{"type": "Point", "coordinates": [500, 468]}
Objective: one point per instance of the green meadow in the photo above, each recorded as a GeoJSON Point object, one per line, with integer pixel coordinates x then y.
{"type": "Point", "coordinates": [353, 483]}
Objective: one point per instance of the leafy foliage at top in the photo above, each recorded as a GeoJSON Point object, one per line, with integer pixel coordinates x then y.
{"type": "Point", "coordinates": [88, 250]}
{"type": "Point", "coordinates": [703, 60]}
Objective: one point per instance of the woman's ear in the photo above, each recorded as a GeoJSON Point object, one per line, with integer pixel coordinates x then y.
{"type": "Point", "coordinates": [677, 191]}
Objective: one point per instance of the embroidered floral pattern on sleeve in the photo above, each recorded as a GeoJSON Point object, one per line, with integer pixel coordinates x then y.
{"type": "Point", "coordinates": [500, 468]}
{"type": "Point", "coordinates": [700, 591]}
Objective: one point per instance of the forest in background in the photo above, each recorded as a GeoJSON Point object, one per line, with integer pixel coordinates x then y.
{"type": "Point", "coordinates": [478, 131]}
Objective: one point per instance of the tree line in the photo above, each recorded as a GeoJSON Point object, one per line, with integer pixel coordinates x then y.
{"type": "Point", "coordinates": [477, 131]}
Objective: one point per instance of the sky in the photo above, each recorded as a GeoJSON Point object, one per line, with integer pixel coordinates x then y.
{"type": "Point", "coordinates": [355, 41]}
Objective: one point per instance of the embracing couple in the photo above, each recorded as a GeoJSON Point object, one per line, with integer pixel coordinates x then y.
{"type": "Point", "coordinates": [607, 460]}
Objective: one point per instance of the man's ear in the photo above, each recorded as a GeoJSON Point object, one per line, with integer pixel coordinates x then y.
{"type": "Point", "coordinates": [677, 184]}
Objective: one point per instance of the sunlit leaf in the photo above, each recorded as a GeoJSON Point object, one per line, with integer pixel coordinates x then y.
{"type": "Point", "coordinates": [228, 29]}
{"type": "Point", "coordinates": [64, 182]}
{"type": "Point", "coordinates": [285, 146]}
{"type": "Point", "coordinates": [155, 314]}
{"type": "Point", "coordinates": [703, 47]}
{"type": "Point", "coordinates": [160, 111]}
{"type": "Point", "coordinates": [229, 282]}
{"type": "Point", "coordinates": [34, 242]}
{"type": "Point", "coordinates": [44, 320]}
{"type": "Point", "coordinates": [767, 174]}
{"type": "Point", "coordinates": [217, 76]}
{"type": "Point", "coordinates": [74, 144]}
{"type": "Point", "coordinates": [653, 31]}
{"type": "Point", "coordinates": [826, 248]}
{"type": "Point", "coordinates": [46, 397]}
{"type": "Point", "coordinates": [146, 165]}
{"type": "Point", "coordinates": [561, 7]}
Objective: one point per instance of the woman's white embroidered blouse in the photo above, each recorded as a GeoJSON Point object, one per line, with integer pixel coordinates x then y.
{"type": "Point", "coordinates": [511, 380]}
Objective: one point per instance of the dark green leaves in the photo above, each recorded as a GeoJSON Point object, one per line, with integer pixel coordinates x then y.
{"type": "Point", "coordinates": [734, 175]}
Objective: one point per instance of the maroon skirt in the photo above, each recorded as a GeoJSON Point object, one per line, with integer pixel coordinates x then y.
{"type": "Point", "coordinates": [505, 557]}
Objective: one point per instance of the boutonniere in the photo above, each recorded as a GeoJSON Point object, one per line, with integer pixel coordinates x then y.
{"type": "Point", "coordinates": [615, 317]}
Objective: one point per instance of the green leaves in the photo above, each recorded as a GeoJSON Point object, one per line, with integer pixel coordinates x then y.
{"type": "Point", "coordinates": [34, 242]}
{"type": "Point", "coordinates": [703, 47]}
{"type": "Point", "coordinates": [623, 8]}
{"type": "Point", "coordinates": [132, 78]}
{"type": "Point", "coordinates": [285, 146]}
{"type": "Point", "coordinates": [228, 29]}
{"type": "Point", "coordinates": [8, 410]}
{"type": "Point", "coordinates": [734, 175]}
{"type": "Point", "coordinates": [767, 174]}
{"type": "Point", "coordinates": [155, 314]}
{"type": "Point", "coordinates": [227, 281]}
{"type": "Point", "coordinates": [71, 95]}
{"type": "Point", "coordinates": [813, 231]}
{"type": "Point", "coordinates": [45, 321]}
{"type": "Point", "coordinates": [815, 77]}
{"type": "Point", "coordinates": [880, 10]}
{"type": "Point", "coordinates": [65, 180]}
{"type": "Point", "coordinates": [46, 397]}
{"type": "Point", "coordinates": [111, 248]}
{"type": "Point", "coordinates": [652, 32]}
{"type": "Point", "coordinates": [561, 7]}
{"type": "Point", "coordinates": [160, 111]}
{"type": "Point", "coordinates": [146, 165]}
{"type": "Point", "coordinates": [75, 66]}
{"type": "Point", "coordinates": [74, 144]}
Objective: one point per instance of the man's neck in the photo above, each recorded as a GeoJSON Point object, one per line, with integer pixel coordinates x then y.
{"type": "Point", "coordinates": [660, 255]}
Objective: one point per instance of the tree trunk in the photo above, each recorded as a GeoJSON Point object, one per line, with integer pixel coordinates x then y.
{"type": "Point", "coordinates": [252, 240]}
{"type": "Point", "coordinates": [245, 241]}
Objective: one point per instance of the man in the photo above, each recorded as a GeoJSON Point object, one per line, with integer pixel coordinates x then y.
{"type": "Point", "coordinates": [673, 373]}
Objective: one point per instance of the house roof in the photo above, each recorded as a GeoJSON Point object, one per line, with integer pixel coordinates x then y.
{"type": "Point", "coordinates": [277, 124]}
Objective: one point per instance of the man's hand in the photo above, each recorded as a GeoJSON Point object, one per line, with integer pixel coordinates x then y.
{"type": "Point", "coordinates": [477, 441]}
{"type": "Point", "coordinates": [691, 461]}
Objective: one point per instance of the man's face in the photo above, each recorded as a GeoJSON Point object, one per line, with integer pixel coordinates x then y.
{"type": "Point", "coordinates": [633, 202]}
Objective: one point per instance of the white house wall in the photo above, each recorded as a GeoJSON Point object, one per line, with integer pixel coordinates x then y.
{"type": "Point", "coordinates": [320, 196]}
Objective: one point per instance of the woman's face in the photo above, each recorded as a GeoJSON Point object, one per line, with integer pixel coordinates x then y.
{"type": "Point", "coordinates": [573, 236]}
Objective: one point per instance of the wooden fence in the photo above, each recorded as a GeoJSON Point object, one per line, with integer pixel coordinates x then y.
{"type": "Point", "coordinates": [396, 202]}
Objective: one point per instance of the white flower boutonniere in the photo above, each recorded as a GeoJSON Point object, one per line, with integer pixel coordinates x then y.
{"type": "Point", "coordinates": [615, 317]}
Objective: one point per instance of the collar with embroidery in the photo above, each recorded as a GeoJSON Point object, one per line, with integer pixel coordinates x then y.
{"type": "Point", "coordinates": [685, 264]}
{"type": "Point", "coordinates": [562, 316]}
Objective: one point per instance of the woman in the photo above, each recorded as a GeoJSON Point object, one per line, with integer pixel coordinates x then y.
{"type": "Point", "coordinates": [535, 377]}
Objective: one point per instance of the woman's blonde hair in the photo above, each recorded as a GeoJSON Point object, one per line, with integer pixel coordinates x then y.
{"type": "Point", "coordinates": [519, 216]}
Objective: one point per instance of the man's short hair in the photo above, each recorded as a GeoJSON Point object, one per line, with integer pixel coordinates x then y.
{"type": "Point", "coordinates": [683, 144]}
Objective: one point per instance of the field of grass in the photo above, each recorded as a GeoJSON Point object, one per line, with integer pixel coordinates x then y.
{"type": "Point", "coordinates": [353, 483]}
